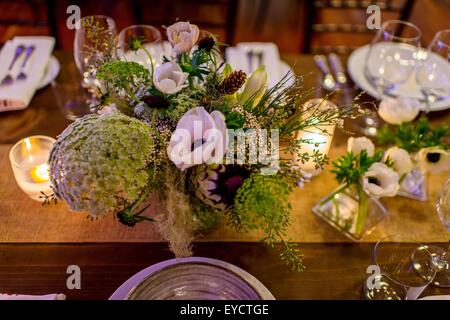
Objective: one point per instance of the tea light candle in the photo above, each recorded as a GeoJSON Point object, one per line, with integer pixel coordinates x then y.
{"type": "Point", "coordinates": [320, 137]}
{"type": "Point", "coordinates": [28, 159]}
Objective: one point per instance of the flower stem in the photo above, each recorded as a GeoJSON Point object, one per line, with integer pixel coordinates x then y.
{"type": "Point", "coordinates": [151, 61]}
{"type": "Point", "coordinates": [154, 126]}
{"type": "Point", "coordinates": [363, 206]}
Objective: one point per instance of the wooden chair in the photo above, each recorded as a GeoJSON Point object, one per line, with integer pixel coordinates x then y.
{"type": "Point", "coordinates": [315, 29]}
{"type": "Point", "coordinates": [200, 12]}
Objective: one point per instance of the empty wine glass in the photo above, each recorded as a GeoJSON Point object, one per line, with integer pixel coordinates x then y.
{"type": "Point", "coordinates": [433, 74]}
{"type": "Point", "coordinates": [150, 37]}
{"type": "Point", "coordinates": [395, 276]}
{"type": "Point", "coordinates": [390, 61]}
{"type": "Point", "coordinates": [93, 44]}
{"type": "Point", "coordinates": [441, 256]}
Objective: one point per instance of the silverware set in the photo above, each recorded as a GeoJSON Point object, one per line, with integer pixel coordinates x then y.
{"type": "Point", "coordinates": [21, 75]}
{"type": "Point", "coordinates": [333, 76]}
{"type": "Point", "coordinates": [255, 58]}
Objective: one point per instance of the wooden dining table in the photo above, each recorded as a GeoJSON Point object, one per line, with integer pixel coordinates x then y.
{"type": "Point", "coordinates": [334, 269]}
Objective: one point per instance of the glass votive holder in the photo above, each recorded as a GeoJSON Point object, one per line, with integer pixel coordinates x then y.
{"type": "Point", "coordinates": [29, 159]}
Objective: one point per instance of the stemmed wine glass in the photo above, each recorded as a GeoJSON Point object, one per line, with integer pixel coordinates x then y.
{"type": "Point", "coordinates": [390, 61]}
{"type": "Point", "coordinates": [441, 256]}
{"type": "Point", "coordinates": [395, 277]}
{"type": "Point", "coordinates": [150, 37]}
{"type": "Point", "coordinates": [433, 74]}
{"type": "Point", "coordinates": [94, 43]}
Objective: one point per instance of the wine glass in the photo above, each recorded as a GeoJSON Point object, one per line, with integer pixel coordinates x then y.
{"type": "Point", "coordinates": [151, 39]}
{"type": "Point", "coordinates": [94, 43]}
{"type": "Point", "coordinates": [441, 256]}
{"type": "Point", "coordinates": [433, 74]}
{"type": "Point", "coordinates": [390, 61]}
{"type": "Point", "coordinates": [393, 275]}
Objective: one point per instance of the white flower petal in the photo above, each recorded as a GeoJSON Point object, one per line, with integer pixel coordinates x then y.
{"type": "Point", "coordinates": [401, 160]}
{"type": "Point", "coordinates": [356, 145]}
{"type": "Point", "coordinates": [387, 181]}
{"type": "Point", "coordinates": [440, 159]}
{"type": "Point", "coordinates": [398, 110]}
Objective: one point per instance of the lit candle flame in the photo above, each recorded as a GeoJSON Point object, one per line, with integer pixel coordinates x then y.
{"type": "Point", "coordinates": [40, 173]}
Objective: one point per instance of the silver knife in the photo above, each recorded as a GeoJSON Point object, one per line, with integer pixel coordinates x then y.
{"type": "Point", "coordinates": [341, 77]}
{"type": "Point", "coordinates": [336, 66]}
{"type": "Point", "coordinates": [328, 82]}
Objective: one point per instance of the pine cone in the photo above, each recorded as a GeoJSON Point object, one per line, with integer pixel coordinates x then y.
{"type": "Point", "coordinates": [233, 82]}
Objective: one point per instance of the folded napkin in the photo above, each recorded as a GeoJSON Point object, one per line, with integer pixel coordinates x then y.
{"type": "Point", "coordinates": [238, 58]}
{"type": "Point", "coordinates": [19, 94]}
{"type": "Point", "coordinates": [53, 296]}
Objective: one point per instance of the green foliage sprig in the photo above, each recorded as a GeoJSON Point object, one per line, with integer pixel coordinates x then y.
{"type": "Point", "coordinates": [414, 136]}
{"type": "Point", "coordinates": [262, 202]}
{"type": "Point", "coordinates": [137, 43]}
{"type": "Point", "coordinates": [350, 168]}
{"type": "Point", "coordinates": [124, 76]}
{"type": "Point", "coordinates": [195, 65]}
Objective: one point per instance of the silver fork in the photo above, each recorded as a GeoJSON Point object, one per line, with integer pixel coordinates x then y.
{"type": "Point", "coordinates": [8, 79]}
{"type": "Point", "coordinates": [28, 53]}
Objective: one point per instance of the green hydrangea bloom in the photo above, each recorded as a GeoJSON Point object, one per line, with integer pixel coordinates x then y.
{"type": "Point", "coordinates": [99, 164]}
{"type": "Point", "coordinates": [262, 203]}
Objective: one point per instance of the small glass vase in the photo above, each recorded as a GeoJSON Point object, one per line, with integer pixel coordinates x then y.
{"type": "Point", "coordinates": [414, 185]}
{"type": "Point", "coordinates": [351, 211]}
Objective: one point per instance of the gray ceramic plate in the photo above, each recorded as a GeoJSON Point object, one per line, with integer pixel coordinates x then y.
{"type": "Point", "coordinates": [192, 278]}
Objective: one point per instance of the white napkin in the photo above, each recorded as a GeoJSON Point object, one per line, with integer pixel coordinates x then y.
{"type": "Point", "coordinates": [53, 296]}
{"type": "Point", "coordinates": [19, 94]}
{"type": "Point", "coordinates": [238, 59]}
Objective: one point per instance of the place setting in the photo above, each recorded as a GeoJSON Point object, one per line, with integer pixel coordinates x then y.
{"type": "Point", "coordinates": [247, 172]}
{"type": "Point", "coordinates": [31, 67]}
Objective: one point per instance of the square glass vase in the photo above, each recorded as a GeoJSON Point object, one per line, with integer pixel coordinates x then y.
{"type": "Point", "coordinates": [353, 214]}
{"type": "Point", "coordinates": [414, 185]}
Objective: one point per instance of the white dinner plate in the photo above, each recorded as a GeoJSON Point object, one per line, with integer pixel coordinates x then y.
{"type": "Point", "coordinates": [410, 88]}
{"type": "Point", "coordinates": [201, 278]}
{"type": "Point", "coordinates": [51, 72]}
{"type": "Point", "coordinates": [436, 298]}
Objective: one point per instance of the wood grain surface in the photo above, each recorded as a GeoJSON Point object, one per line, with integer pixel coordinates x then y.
{"type": "Point", "coordinates": [108, 253]}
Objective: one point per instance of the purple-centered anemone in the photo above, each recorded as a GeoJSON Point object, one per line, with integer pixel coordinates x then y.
{"type": "Point", "coordinates": [216, 185]}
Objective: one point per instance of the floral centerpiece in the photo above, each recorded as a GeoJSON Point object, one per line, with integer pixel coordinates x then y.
{"type": "Point", "coordinates": [193, 137]}
{"type": "Point", "coordinates": [365, 175]}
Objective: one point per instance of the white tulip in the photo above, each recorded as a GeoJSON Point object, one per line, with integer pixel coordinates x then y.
{"type": "Point", "coordinates": [182, 36]}
{"type": "Point", "coordinates": [356, 145]}
{"type": "Point", "coordinates": [199, 138]}
{"type": "Point", "coordinates": [401, 160]}
{"type": "Point", "coordinates": [380, 181]}
{"type": "Point", "coordinates": [255, 86]}
{"type": "Point", "coordinates": [169, 78]}
{"type": "Point", "coordinates": [433, 159]}
{"type": "Point", "coordinates": [398, 110]}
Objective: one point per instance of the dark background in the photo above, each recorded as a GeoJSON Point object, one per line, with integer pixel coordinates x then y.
{"type": "Point", "coordinates": [288, 23]}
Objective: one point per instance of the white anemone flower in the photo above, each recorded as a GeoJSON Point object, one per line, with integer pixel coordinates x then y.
{"type": "Point", "coordinates": [380, 181]}
{"type": "Point", "coordinates": [433, 159]}
{"type": "Point", "coordinates": [200, 137]}
{"type": "Point", "coordinates": [356, 145]}
{"type": "Point", "coordinates": [169, 78]}
{"type": "Point", "coordinates": [401, 160]}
